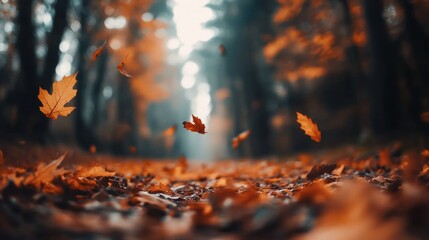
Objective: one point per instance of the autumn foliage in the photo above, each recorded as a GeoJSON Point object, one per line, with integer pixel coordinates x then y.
{"type": "Point", "coordinates": [309, 127]}
{"type": "Point", "coordinates": [62, 93]}
{"type": "Point", "coordinates": [195, 126]}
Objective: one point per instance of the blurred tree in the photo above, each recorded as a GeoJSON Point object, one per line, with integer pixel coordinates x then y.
{"type": "Point", "coordinates": [29, 119]}
{"type": "Point", "coordinates": [250, 87]}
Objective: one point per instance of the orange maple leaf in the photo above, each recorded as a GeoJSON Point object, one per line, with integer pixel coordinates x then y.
{"type": "Point", "coordinates": [45, 173]}
{"type": "Point", "coordinates": [121, 68]}
{"type": "Point", "coordinates": [309, 127]}
{"type": "Point", "coordinates": [240, 137]}
{"type": "Point", "coordinates": [98, 51]}
{"type": "Point", "coordinates": [197, 126]}
{"type": "Point", "coordinates": [62, 93]}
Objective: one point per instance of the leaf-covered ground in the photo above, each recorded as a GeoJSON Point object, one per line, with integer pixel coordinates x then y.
{"type": "Point", "coordinates": [348, 194]}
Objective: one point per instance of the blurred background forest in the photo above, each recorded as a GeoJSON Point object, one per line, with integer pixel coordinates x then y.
{"type": "Point", "coordinates": [358, 68]}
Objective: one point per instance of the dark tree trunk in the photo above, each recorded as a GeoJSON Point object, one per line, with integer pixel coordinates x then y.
{"type": "Point", "coordinates": [29, 118]}
{"type": "Point", "coordinates": [249, 92]}
{"type": "Point", "coordinates": [96, 91]}
{"type": "Point", "coordinates": [383, 86]}
{"type": "Point", "coordinates": [53, 42]}
{"type": "Point", "coordinates": [355, 69]}
{"type": "Point", "coordinates": [84, 133]}
{"type": "Point", "coordinates": [419, 43]}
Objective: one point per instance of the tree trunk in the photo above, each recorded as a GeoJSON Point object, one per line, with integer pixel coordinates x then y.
{"type": "Point", "coordinates": [29, 118]}
{"type": "Point", "coordinates": [383, 86]}
{"type": "Point", "coordinates": [355, 69]}
{"type": "Point", "coordinates": [419, 44]}
{"type": "Point", "coordinates": [84, 133]}
{"type": "Point", "coordinates": [53, 42]}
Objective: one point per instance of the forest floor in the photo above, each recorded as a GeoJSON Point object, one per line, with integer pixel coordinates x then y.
{"type": "Point", "coordinates": [348, 193]}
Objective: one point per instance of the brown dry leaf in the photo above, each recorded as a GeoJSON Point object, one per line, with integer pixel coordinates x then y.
{"type": "Point", "coordinates": [309, 127]}
{"type": "Point", "coordinates": [132, 149]}
{"type": "Point", "coordinates": [425, 153]}
{"type": "Point", "coordinates": [45, 173]}
{"type": "Point", "coordinates": [121, 68]}
{"type": "Point", "coordinates": [95, 171]}
{"type": "Point", "coordinates": [170, 131]}
{"type": "Point", "coordinates": [160, 188]}
{"type": "Point", "coordinates": [317, 170]}
{"type": "Point", "coordinates": [197, 126]}
{"type": "Point", "coordinates": [240, 137]}
{"type": "Point", "coordinates": [62, 93]}
{"type": "Point", "coordinates": [92, 149]}
{"type": "Point", "coordinates": [384, 157]}
{"type": "Point", "coordinates": [222, 50]}
{"type": "Point", "coordinates": [339, 170]}
{"type": "Point", "coordinates": [181, 167]}
{"type": "Point", "coordinates": [98, 51]}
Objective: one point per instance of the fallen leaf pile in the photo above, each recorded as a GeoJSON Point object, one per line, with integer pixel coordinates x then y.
{"type": "Point", "coordinates": [355, 196]}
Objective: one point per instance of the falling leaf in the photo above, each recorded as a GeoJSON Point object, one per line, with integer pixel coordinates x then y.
{"type": "Point", "coordinates": [309, 127]}
{"type": "Point", "coordinates": [121, 68]}
{"type": "Point", "coordinates": [132, 149]}
{"type": "Point", "coordinates": [45, 173]}
{"type": "Point", "coordinates": [197, 126]}
{"type": "Point", "coordinates": [222, 94]}
{"type": "Point", "coordinates": [170, 131]}
{"type": "Point", "coordinates": [92, 149]}
{"type": "Point", "coordinates": [62, 93]}
{"type": "Point", "coordinates": [240, 137]}
{"type": "Point", "coordinates": [98, 51]}
{"type": "Point", "coordinates": [222, 50]}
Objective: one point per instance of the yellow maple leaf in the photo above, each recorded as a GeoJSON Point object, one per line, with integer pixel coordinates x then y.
{"type": "Point", "coordinates": [309, 127]}
{"type": "Point", "coordinates": [62, 93]}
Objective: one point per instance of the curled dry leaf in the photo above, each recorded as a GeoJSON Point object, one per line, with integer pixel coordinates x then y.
{"type": "Point", "coordinates": [45, 173]}
{"type": "Point", "coordinates": [170, 131]}
{"type": "Point", "coordinates": [222, 50]}
{"type": "Point", "coordinates": [95, 171]}
{"type": "Point", "coordinates": [197, 126]}
{"type": "Point", "coordinates": [240, 137]}
{"type": "Point", "coordinates": [309, 127]}
{"type": "Point", "coordinates": [384, 157]}
{"type": "Point", "coordinates": [98, 51]}
{"type": "Point", "coordinates": [62, 93]}
{"type": "Point", "coordinates": [317, 170]}
{"type": "Point", "coordinates": [121, 68]}
{"type": "Point", "coordinates": [92, 149]}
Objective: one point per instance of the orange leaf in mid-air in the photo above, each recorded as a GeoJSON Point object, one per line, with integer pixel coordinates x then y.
{"type": "Point", "coordinates": [170, 131]}
{"type": "Point", "coordinates": [98, 51]}
{"type": "Point", "coordinates": [222, 50]}
{"type": "Point", "coordinates": [309, 127]}
{"type": "Point", "coordinates": [62, 93]}
{"type": "Point", "coordinates": [121, 68]}
{"type": "Point", "coordinates": [197, 126]}
{"type": "Point", "coordinates": [240, 137]}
